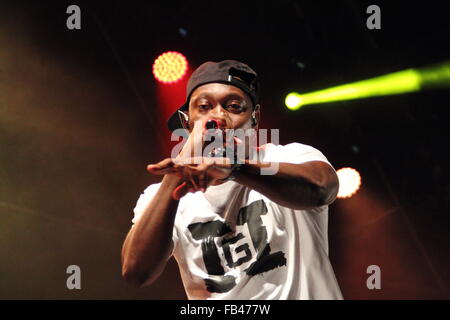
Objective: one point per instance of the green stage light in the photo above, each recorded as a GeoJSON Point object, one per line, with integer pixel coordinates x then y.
{"type": "Point", "coordinates": [405, 81]}
{"type": "Point", "coordinates": [293, 101]}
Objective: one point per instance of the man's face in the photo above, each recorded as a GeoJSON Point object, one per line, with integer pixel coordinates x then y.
{"type": "Point", "coordinates": [227, 104]}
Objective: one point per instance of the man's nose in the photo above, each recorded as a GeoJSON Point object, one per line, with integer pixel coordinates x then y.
{"type": "Point", "coordinates": [218, 113]}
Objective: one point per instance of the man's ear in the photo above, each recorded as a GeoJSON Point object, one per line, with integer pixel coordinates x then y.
{"type": "Point", "coordinates": [256, 116]}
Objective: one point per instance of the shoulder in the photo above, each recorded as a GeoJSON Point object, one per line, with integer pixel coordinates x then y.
{"type": "Point", "coordinates": [147, 195]}
{"type": "Point", "coordinates": [292, 153]}
{"type": "Point", "coordinates": [151, 189]}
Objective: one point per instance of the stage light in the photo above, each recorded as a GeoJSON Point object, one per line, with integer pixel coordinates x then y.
{"type": "Point", "coordinates": [293, 101]}
{"type": "Point", "coordinates": [405, 81]}
{"type": "Point", "coordinates": [349, 182]}
{"type": "Point", "coordinates": [170, 67]}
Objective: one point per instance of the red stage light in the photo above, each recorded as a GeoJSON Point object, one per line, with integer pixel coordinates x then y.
{"type": "Point", "coordinates": [349, 182]}
{"type": "Point", "coordinates": [170, 67]}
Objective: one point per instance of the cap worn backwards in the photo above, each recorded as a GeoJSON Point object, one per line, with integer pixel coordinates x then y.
{"type": "Point", "coordinates": [230, 72]}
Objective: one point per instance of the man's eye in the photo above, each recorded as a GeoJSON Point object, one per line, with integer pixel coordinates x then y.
{"type": "Point", "coordinates": [234, 107]}
{"type": "Point", "coordinates": [203, 107]}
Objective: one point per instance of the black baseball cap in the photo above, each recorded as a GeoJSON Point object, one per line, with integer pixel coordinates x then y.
{"type": "Point", "coordinates": [230, 72]}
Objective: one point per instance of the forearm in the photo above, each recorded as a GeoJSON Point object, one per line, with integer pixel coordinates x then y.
{"type": "Point", "coordinates": [148, 245]}
{"type": "Point", "coordinates": [303, 186]}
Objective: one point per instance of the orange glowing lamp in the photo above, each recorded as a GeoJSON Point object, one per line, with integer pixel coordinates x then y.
{"type": "Point", "coordinates": [170, 67]}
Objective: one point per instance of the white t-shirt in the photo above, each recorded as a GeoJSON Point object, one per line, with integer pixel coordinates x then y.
{"type": "Point", "coordinates": [232, 242]}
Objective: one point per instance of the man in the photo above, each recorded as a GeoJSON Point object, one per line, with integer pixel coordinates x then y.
{"type": "Point", "coordinates": [235, 232]}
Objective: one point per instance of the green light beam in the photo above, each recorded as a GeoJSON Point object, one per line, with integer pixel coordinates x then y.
{"type": "Point", "coordinates": [404, 81]}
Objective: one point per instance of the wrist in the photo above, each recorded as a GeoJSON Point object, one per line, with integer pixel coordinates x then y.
{"type": "Point", "coordinates": [235, 168]}
{"type": "Point", "coordinates": [171, 181]}
{"type": "Point", "coordinates": [249, 171]}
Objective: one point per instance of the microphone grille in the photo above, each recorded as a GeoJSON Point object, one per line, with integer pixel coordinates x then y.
{"type": "Point", "coordinates": [211, 124]}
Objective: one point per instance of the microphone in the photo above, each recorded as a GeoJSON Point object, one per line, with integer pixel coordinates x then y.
{"type": "Point", "coordinates": [224, 150]}
{"type": "Point", "coordinates": [211, 124]}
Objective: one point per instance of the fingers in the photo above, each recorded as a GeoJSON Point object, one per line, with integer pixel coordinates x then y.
{"type": "Point", "coordinates": [237, 141]}
{"type": "Point", "coordinates": [203, 181]}
{"type": "Point", "coordinates": [202, 174]}
{"type": "Point", "coordinates": [197, 174]}
{"type": "Point", "coordinates": [163, 167]}
{"type": "Point", "coordinates": [195, 180]}
{"type": "Point", "coordinates": [194, 144]}
{"type": "Point", "coordinates": [191, 178]}
{"type": "Point", "coordinates": [197, 139]}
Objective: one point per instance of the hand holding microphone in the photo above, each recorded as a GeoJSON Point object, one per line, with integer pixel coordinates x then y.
{"type": "Point", "coordinates": [195, 166]}
{"type": "Point", "coordinates": [213, 133]}
{"type": "Point", "coordinates": [226, 149]}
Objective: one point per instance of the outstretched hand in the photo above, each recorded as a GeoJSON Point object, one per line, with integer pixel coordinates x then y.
{"type": "Point", "coordinates": [197, 173]}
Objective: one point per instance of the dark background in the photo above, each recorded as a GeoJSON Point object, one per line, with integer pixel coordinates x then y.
{"type": "Point", "coordinates": [81, 116]}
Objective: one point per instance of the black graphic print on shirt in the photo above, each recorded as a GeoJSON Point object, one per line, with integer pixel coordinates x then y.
{"type": "Point", "coordinates": [264, 260]}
